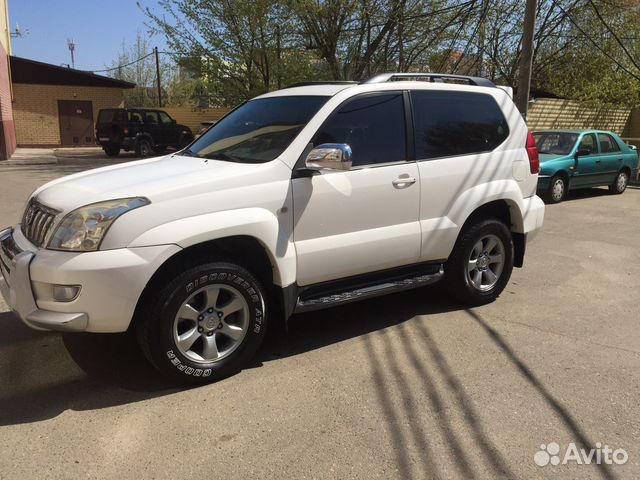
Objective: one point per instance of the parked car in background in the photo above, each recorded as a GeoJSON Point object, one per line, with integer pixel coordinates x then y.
{"type": "Point", "coordinates": [582, 159]}
{"type": "Point", "coordinates": [140, 129]}
{"type": "Point", "coordinates": [204, 126]}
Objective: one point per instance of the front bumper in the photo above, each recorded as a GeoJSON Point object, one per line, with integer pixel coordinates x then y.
{"type": "Point", "coordinates": [111, 283]}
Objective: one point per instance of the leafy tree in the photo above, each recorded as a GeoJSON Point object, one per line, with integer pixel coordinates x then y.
{"type": "Point", "coordinates": [130, 68]}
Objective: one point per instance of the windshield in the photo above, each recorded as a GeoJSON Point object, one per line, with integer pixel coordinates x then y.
{"type": "Point", "coordinates": [258, 131]}
{"type": "Point", "coordinates": [555, 143]}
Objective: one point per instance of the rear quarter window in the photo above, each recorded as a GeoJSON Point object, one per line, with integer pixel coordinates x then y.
{"type": "Point", "coordinates": [456, 123]}
{"type": "Point", "coordinates": [110, 115]}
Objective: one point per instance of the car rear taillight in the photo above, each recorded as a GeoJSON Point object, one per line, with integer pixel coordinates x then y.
{"type": "Point", "coordinates": [126, 132]}
{"type": "Point", "coordinates": [532, 153]}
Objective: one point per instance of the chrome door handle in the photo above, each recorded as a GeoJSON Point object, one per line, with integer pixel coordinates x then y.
{"type": "Point", "coordinates": [403, 181]}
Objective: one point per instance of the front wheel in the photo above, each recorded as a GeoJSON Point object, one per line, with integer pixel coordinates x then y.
{"type": "Point", "coordinates": [205, 324]}
{"type": "Point", "coordinates": [557, 189]}
{"type": "Point", "coordinates": [481, 263]}
{"type": "Point", "coordinates": [620, 183]}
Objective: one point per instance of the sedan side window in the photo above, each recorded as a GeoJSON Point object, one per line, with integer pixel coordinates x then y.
{"type": "Point", "coordinates": [372, 125]}
{"type": "Point", "coordinates": [608, 143]}
{"type": "Point", "coordinates": [588, 142]}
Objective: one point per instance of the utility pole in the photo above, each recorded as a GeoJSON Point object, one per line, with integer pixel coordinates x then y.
{"type": "Point", "coordinates": [155, 50]}
{"type": "Point", "coordinates": [526, 58]}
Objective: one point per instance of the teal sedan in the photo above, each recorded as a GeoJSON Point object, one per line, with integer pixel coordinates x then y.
{"type": "Point", "coordinates": [592, 158]}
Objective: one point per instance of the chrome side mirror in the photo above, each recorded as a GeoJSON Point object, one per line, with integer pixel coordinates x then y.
{"type": "Point", "coordinates": [332, 156]}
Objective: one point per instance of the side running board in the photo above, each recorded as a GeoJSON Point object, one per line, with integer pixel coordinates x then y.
{"type": "Point", "coordinates": [362, 292]}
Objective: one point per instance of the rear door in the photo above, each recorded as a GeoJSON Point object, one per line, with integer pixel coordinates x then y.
{"type": "Point", "coordinates": [455, 134]}
{"type": "Point", "coordinates": [365, 219]}
{"type": "Point", "coordinates": [612, 158]}
{"type": "Point", "coordinates": [152, 126]}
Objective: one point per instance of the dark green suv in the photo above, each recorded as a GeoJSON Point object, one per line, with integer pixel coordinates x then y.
{"type": "Point", "coordinates": [140, 129]}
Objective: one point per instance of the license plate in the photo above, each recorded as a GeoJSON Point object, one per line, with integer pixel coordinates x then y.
{"type": "Point", "coordinates": [104, 139]}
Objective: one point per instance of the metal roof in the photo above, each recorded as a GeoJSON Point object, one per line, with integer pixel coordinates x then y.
{"type": "Point", "coordinates": [24, 70]}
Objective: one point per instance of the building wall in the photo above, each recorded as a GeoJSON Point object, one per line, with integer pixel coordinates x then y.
{"type": "Point", "coordinates": [7, 129]}
{"type": "Point", "coordinates": [35, 109]}
{"type": "Point", "coordinates": [548, 113]}
{"type": "Point", "coordinates": [192, 117]}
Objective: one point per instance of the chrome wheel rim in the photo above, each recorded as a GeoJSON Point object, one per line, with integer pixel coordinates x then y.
{"type": "Point", "coordinates": [211, 323]}
{"type": "Point", "coordinates": [486, 263]}
{"type": "Point", "coordinates": [557, 191]}
{"type": "Point", "coordinates": [622, 182]}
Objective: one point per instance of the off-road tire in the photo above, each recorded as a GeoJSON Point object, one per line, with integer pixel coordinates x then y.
{"type": "Point", "coordinates": [457, 281]}
{"type": "Point", "coordinates": [156, 317]}
{"type": "Point", "coordinates": [143, 148]}
{"type": "Point", "coordinates": [112, 150]}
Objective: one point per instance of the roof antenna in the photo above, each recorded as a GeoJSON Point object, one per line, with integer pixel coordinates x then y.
{"type": "Point", "coordinates": [72, 46]}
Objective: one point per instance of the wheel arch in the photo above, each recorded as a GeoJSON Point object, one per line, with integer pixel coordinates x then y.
{"type": "Point", "coordinates": [244, 250]}
{"type": "Point", "coordinates": [507, 211]}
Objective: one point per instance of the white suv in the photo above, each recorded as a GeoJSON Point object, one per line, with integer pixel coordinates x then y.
{"type": "Point", "coordinates": [300, 199]}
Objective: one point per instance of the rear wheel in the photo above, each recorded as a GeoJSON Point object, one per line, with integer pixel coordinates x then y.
{"type": "Point", "coordinates": [557, 189]}
{"type": "Point", "coordinates": [481, 263]}
{"type": "Point", "coordinates": [205, 324]}
{"type": "Point", "coordinates": [620, 183]}
{"type": "Point", "coordinates": [143, 148]}
{"type": "Point", "coordinates": [112, 150]}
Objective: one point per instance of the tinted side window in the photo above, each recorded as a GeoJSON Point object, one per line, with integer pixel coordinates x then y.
{"type": "Point", "coordinates": [456, 123]}
{"type": "Point", "coordinates": [151, 117]}
{"type": "Point", "coordinates": [607, 143]}
{"type": "Point", "coordinates": [372, 125]}
{"type": "Point", "coordinates": [164, 118]}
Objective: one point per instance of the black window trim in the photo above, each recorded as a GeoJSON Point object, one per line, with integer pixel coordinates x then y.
{"type": "Point", "coordinates": [466, 154]}
{"type": "Point", "coordinates": [613, 140]}
{"type": "Point", "coordinates": [299, 168]}
{"type": "Point", "coordinates": [579, 142]}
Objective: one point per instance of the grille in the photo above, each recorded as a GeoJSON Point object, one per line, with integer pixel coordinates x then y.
{"type": "Point", "coordinates": [37, 222]}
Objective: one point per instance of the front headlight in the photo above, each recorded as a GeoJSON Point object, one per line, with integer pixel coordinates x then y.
{"type": "Point", "coordinates": [83, 229]}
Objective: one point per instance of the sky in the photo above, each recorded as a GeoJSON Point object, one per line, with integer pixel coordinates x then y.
{"type": "Point", "coordinates": [98, 28]}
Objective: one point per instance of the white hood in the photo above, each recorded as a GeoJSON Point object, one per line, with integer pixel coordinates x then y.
{"type": "Point", "coordinates": [157, 179]}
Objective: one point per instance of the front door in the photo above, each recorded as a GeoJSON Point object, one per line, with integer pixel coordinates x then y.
{"type": "Point", "coordinates": [365, 219]}
{"type": "Point", "coordinates": [170, 130]}
{"type": "Point", "coordinates": [588, 168]}
{"type": "Point", "coordinates": [76, 122]}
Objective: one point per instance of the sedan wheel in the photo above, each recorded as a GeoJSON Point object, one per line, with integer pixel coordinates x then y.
{"type": "Point", "coordinates": [620, 183]}
{"type": "Point", "coordinates": [557, 189]}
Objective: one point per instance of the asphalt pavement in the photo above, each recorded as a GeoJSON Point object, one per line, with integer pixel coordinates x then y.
{"type": "Point", "coordinates": [405, 386]}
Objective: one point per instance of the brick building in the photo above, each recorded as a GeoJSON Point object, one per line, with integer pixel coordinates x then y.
{"type": "Point", "coordinates": [57, 106]}
{"type": "Point", "coordinates": [7, 131]}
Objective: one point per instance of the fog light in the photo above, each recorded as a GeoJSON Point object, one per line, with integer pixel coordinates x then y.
{"type": "Point", "coordinates": [65, 293]}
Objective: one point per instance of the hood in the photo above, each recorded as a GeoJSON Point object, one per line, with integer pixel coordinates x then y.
{"type": "Point", "coordinates": [157, 179]}
{"type": "Point", "coordinates": [547, 157]}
